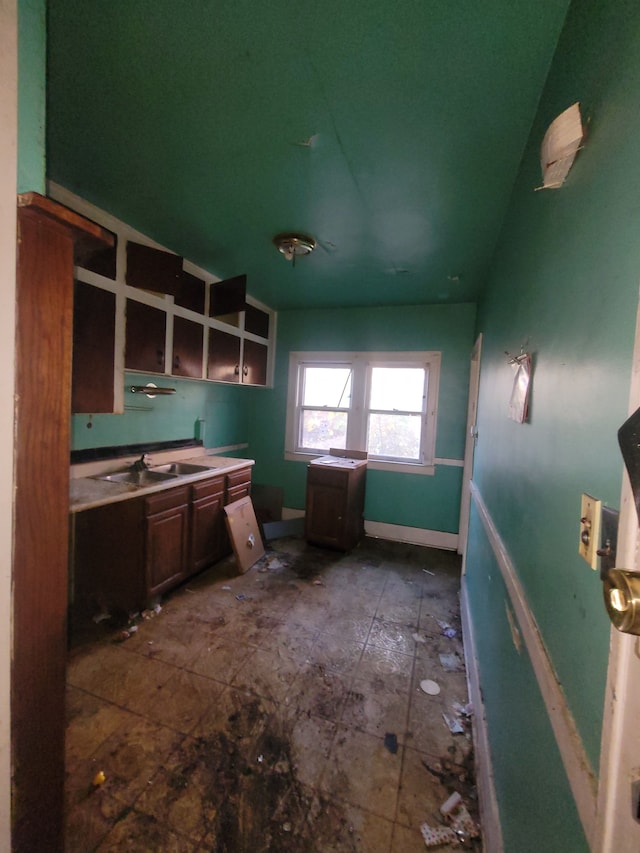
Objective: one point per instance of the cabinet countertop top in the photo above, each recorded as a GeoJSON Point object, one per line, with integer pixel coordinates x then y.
{"type": "Point", "coordinates": [87, 492]}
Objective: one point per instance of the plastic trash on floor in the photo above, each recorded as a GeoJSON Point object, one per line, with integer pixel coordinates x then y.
{"type": "Point", "coordinates": [461, 826]}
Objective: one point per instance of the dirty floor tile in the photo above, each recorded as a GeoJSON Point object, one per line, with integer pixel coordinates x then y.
{"type": "Point", "coordinates": [283, 713]}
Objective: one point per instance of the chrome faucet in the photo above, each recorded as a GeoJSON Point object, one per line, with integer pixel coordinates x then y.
{"type": "Point", "coordinates": [143, 463]}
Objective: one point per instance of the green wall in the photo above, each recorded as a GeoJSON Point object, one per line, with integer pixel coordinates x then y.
{"type": "Point", "coordinates": [31, 95]}
{"type": "Point", "coordinates": [564, 284]}
{"type": "Point", "coordinates": [223, 407]}
{"type": "Point", "coordinates": [413, 500]}
{"type": "Point", "coordinates": [536, 804]}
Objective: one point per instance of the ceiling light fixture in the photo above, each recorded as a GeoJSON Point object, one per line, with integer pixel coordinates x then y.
{"type": "Point", "coordinates": [294, 245]}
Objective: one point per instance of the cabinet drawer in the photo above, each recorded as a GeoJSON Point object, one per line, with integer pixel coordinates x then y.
{"type": "Point", "coordinates": [205, 488]}
{"type": "Point", "coordinates": [166, 500]}
{"type": "Point", "coordinates": [239, 478]}
{"type": "Point", "coordinates": [237, 492]}
{"type": "Point", "coordinates": [327, 477]}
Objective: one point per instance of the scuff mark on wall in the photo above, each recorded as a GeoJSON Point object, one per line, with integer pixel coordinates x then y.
{"type": "Point", "coordinates": [515, 633]}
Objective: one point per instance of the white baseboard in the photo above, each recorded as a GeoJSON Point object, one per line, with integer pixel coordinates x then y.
{"type": "Point", "coordinates": [288, 513]}
{"type": "Point", "coordinates": [489, 812]}
{"type": "Point", "coordinates": [396, 532]}
{"type": "Point", "coordinates": [581, 777]}
{"type": "Point", "coordinates": [412, 535]}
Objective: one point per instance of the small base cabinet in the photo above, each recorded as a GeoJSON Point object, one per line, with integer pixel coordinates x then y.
{"type": "Point", "coordinates": [335, 503]}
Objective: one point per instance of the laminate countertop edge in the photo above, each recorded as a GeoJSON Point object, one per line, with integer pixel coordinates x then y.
{"type": "Point", "coordinates": [87, 492]}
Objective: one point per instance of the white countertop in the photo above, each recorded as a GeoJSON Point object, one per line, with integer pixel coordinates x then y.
{"type": "Point", "coordinates": [338, 462]}
{"type": "Point", "coordinates": [87, 492]}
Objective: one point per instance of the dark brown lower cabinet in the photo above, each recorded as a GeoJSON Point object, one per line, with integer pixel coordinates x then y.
{"type": "Point", "coordinates": [238, 485]}
{"type": "Point", "coordinates": [127, 553]}
{"type": "Point", "coordinates": [335, 505]}
{"type": "Point", "coordinates": [207, 524]}
{"type": "Point", "coordinates": [167, 543]}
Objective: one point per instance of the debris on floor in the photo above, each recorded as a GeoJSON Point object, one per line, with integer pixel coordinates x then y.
{"type": "Point", "coordinates": [285, 722]}
{"type": "Point", "coordinates": [447, 630]}
{"type": "Point", "coordinates": [461, 827]}
{"type": "Point", "coordinates": [391, 742]}
{"type": "Point", "coordinates": [452, 662]}
{"type": "Point", "coordinates": [454, 724]}
{"type": "Point", "coordinates": [99, 779]}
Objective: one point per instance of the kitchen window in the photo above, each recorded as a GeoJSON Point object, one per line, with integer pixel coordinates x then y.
{"type": "Point", "coordinates": [383, 403]}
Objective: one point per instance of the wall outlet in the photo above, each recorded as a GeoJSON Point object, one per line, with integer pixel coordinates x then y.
{"type": "Point", "coordinates": [590, 511]}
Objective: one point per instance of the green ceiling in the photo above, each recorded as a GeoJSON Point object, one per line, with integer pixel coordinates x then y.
{"type": "Point", "coordinates": [187, 120]}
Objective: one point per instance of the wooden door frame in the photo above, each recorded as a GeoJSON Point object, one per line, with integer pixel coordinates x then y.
{"type": "Point", "coordinates": [469, 446]}
{"type": "Point", "coordinates": [8, 172]}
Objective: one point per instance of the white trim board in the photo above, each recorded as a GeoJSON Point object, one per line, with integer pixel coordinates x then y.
{"type": "Point", "coordinates": [411, 535]}
{"type": "Point", "coordinates": [576, 764]}
{"type": "Point", "coordinates": [488, 801]}
{"type": "Point", "coordinates": [396, 532]}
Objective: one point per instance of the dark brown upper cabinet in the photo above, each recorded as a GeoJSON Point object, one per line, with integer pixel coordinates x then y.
{"type": "Point", "coordinates": [188, 338]}
{"type": "Point", "coordinates": [254, 363]}
{"type": "Point", "coordinates": [256, 321]}
{"type": "Point", "coordinates": [145, 337]}
{"type": "Point", "coordinates": [94, 330]}
{"type": "Point", "coordinates": [224, 357]}
{"type": "Point", "coordinates": [99, 260]}
{"type": "Point", "coordinates": [228, 296]}
{"type": "Point", "coordinates": [190, 293]}
{"type": "Point", "coordinates": [152, 269]}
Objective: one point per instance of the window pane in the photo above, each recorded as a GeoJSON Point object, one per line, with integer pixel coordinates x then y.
{"type": "Point", "coordinates": [323, 430]}
{"type": "Point", "coordinates": [399, 388]}
{"type": "Point", "coordinates": [327, 386]}
{"type": "Point", "coordinates": [395, 436]}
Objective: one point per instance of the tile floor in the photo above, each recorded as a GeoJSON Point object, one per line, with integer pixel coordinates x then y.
{"type": "Point", "coordinates": [250, 714]}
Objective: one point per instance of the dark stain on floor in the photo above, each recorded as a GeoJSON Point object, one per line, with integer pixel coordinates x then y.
{"type": "Point", "coordinates": [297, 677]}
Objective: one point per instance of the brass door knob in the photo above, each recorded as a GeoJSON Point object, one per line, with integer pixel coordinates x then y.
{"type": "Point", "coordinates": [621, 590]}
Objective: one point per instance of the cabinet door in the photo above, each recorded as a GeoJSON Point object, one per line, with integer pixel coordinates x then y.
{"type": "Point", "coordinates": [94, 335]}
{"type": "Point", "coordinates": [167, 542]}
{"type": "Point", "coordinates": [224, 356]}
{"type": "Point", "coordinates": [187, 348]}
{"type": "Point", "coordinates": [207, 532]}
{"type": "Point", "coordinates": [146, 332]}
{"type": "Point", "coordinates": [254, 369]}
{"type": "Point", "coordinates": [108, 560]}
{"type": "Point", "coordinates": [325, 514]}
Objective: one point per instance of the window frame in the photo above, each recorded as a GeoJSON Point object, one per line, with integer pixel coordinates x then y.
{"type": "Point", "coordinates": [358, 411]}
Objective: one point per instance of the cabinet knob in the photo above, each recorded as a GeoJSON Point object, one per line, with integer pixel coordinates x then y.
{"type": "Point", "coordinates": [236, 370]}
{"type": "Point", "coordinates": [160, 356]}
{"type": "Point", "coordinates": [245, 370]}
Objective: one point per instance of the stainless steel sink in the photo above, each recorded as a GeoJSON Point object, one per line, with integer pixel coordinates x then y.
{"type": "Point", "coordinates": [178, 469]}
{"type": "Point", "coordinates": [138, 478]}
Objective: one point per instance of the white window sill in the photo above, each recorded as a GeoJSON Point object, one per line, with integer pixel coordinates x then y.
{"type": "Point", "coordinates": [372, 464]}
